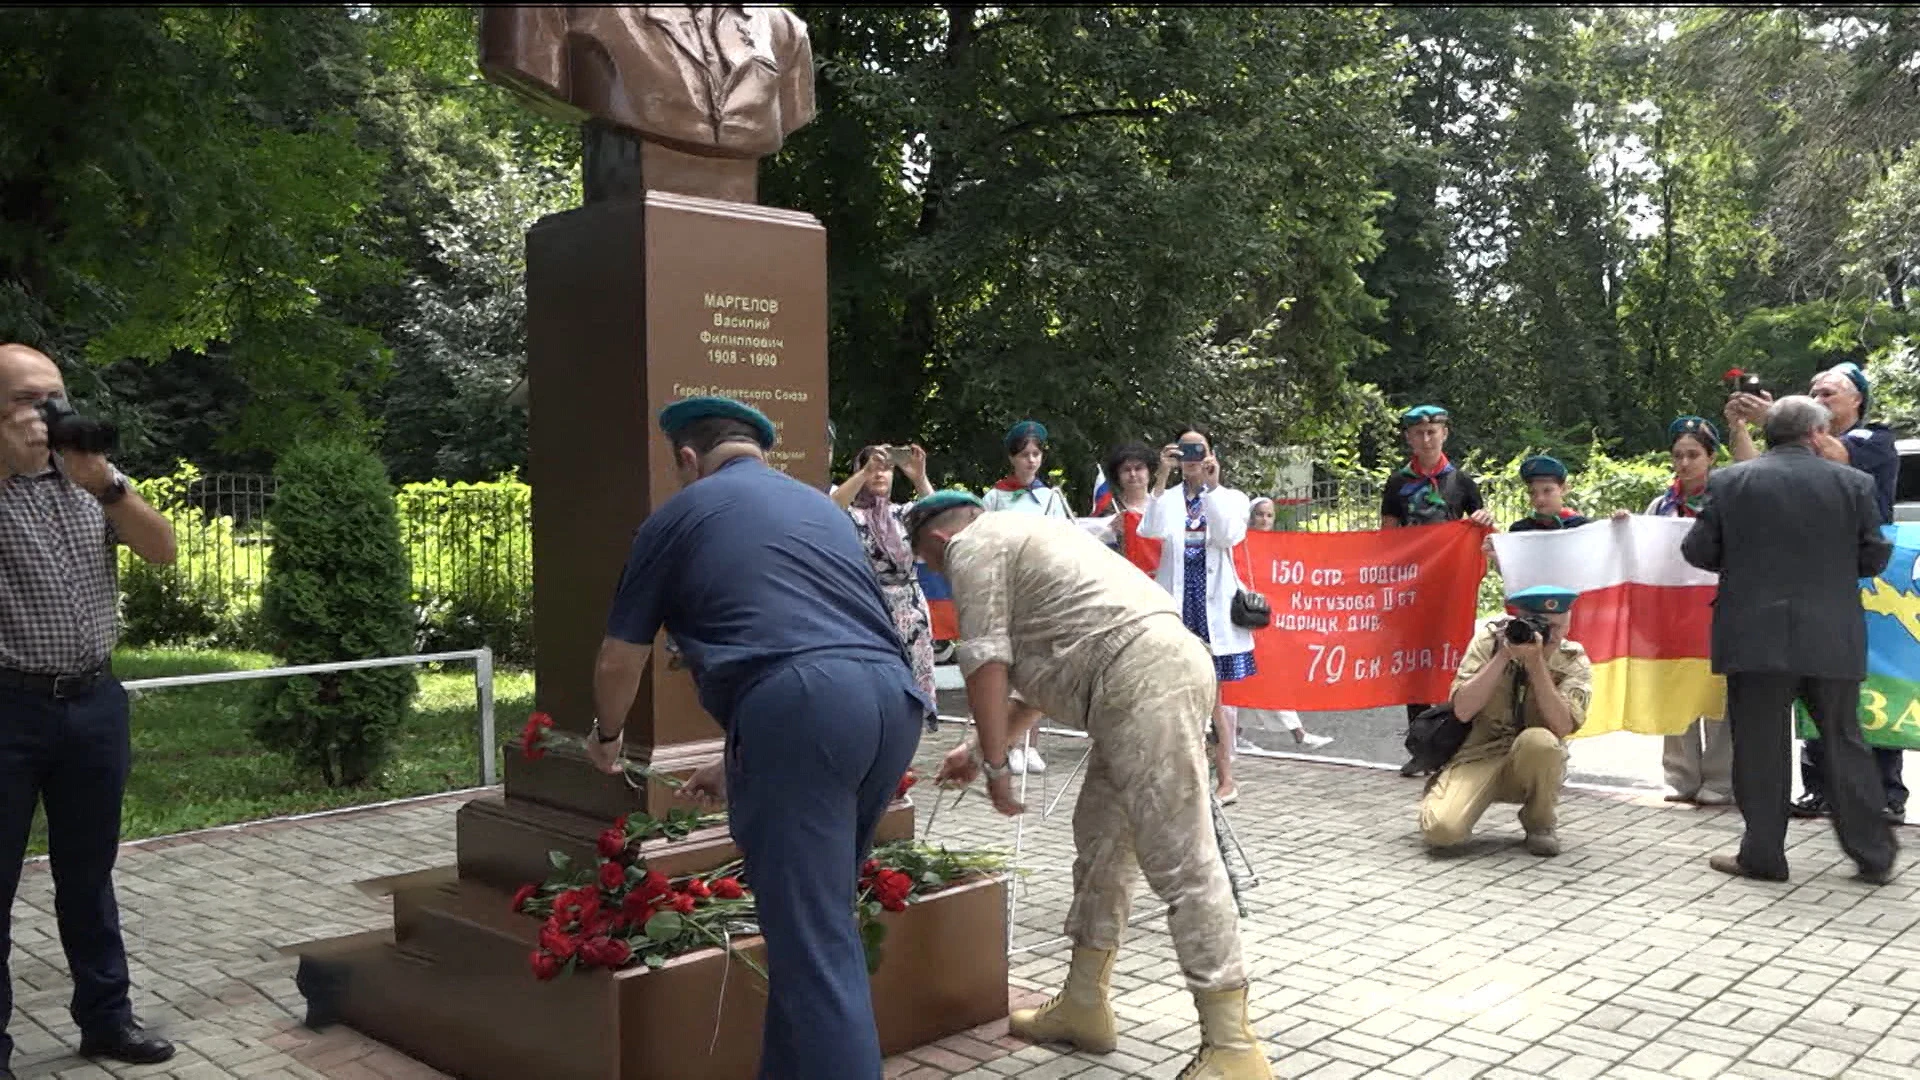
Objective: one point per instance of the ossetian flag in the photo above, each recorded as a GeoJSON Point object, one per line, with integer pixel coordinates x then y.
{"type": "Point", "coordinates": [1643, 614]}
{"type": "Point", "coordinates": [1890, 699]}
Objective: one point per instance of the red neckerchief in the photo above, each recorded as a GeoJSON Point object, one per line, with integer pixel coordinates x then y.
{"type": "Point", "coordinates": [1676, 500]}
{"type": "Point", "coordinates": [1008, 483]}
{"type": "Point", "coordinates": [1564, 514]}
{"type": "Point", "coordinates": [1413, 468]}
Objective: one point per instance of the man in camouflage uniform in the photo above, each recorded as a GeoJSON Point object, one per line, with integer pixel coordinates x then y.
{"type": "Point", "coordinates": [1046, 609]}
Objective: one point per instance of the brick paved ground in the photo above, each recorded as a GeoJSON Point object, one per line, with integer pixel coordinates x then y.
{"type": "Point", "coordinates": [1625, 957]}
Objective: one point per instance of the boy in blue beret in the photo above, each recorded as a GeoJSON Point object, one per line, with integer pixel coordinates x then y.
{"type": "Point", "coordinates": [1524, 688]}
{"type": "Point", "coordinates": [1546, 481]}
{"type": "Point", "coordinates": [763, 584]}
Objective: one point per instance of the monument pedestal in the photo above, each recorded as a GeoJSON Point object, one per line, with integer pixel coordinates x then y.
{"type": "Point", "coordinates": [633, 304]}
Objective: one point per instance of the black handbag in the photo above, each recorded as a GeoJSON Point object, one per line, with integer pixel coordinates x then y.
{"type": "Point", "coordinates": [1249, 609]}
{"type": "Point", "coordinates": [1433, 738]}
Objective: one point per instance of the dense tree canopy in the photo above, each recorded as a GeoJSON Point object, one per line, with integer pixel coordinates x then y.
{"type": "Point", "coordinates": [1564, 223]}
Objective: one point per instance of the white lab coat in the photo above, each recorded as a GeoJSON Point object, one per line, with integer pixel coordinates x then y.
{"type": "Point", "coordinates": [1226, 515]}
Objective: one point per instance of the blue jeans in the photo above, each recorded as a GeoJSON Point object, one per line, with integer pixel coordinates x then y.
{"type": "Point", "coordinates": [815, 752]}
{"type": "Point", "coordinates": [73, 755]}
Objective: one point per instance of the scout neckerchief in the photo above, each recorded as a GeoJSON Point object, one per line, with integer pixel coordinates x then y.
{"type": "Point", "coordinates": [1556, 521]}
{"type": "Point", "coordinates": [1197, 519]}
{"type": "Point", "coordinates": [1424, 485]}
{"type": "Point", "coordinates": [1677, 503]}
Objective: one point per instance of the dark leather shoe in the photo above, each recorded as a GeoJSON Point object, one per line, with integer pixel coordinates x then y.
{"type": "Point", "coordinates": [1811, 806]}
{"type": "Point", "coordinates": [1896, 813]}
{"type": "Point", "coordinates": [1730, 864]}
{"type": "Point", "coordinates": [1411, 768]}
{"type": "Point", "coordinates": [129, 1043]}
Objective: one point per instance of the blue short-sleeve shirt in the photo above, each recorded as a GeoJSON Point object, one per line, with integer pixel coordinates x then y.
{"type": "Point", "coordinates": [1871, 449]}
{"type": "Point", "coordinates": [747, 569]}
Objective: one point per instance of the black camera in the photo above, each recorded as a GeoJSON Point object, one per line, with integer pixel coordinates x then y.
{"type": "Point", "coordinates": [1526, 629]}
{"type": "Point", "coordinates": [68, 430]}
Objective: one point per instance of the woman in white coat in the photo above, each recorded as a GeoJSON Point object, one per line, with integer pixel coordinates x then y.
{"type": "Point", "coordinates": [1201, 523]}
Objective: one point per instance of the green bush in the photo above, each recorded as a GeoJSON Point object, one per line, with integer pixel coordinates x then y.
{"type": "Point", "coordinates": [336, 589]}
{"type": "Point", "coordinates": [210, 598]}
{"type": "Point", "coordinates": [471, 548]}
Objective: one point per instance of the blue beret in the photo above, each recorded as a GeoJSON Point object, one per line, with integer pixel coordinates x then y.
{"type": "Point", "coordinates": [932, 507]}
{"type": "Point", "coordinates": [1543, 600]}
{"type": "Point", "coordinates": [1541, 465]}
{"type": "Point", "coordinates": [675, 417]}
{"type": "Point", "coordinates": [1024, 430]}
{"type": "Point", "coordinates": [1854, 375]}
{"type": "Point", "coordinates": [1694, 425]}
{"type": "Point", "coordinates": [1421, 414]}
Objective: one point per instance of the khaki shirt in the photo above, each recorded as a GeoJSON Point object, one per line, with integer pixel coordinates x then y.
{"type": "Point", "coordinates": [1494, 730]}
{"type": "Point", "coordinates": [1054, 604]}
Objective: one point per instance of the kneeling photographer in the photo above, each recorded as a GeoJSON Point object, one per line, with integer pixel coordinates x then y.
{"type": "Point", "coordinates": [63, 716]}
{"type": "Point", "coordinates": [1522, 688]}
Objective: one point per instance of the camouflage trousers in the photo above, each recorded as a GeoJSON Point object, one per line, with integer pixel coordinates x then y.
{"type": "Point", "coordinates": [1144, 808]}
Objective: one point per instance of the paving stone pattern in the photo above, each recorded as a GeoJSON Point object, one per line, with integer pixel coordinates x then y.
{"type": "Point", "coordinates": [1626, 957]}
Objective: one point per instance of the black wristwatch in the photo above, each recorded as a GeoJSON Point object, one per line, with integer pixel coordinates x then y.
{"type": "Point", "coordinates": [115, 491]}
{"type": "Point", "coordinates": [599, 737]}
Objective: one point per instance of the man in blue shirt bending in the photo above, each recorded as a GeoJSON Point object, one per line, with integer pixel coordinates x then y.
{"type": "Point", "coordinates": [764, 586]}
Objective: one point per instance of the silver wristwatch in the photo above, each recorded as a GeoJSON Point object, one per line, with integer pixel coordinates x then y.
{"type": "Point", "coordinates": [989, 770]}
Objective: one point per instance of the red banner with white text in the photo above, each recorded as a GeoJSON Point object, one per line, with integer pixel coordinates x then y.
{"type": "Point", "coordinates": [1362, 619]}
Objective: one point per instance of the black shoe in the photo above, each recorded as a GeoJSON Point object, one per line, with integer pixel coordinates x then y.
{"type": "Point", "coordinates": [129, 1043]}
{"type": "Point", "coordinates": [1811, 806]}
{"type": "Point", "coordinates": [1411, 768]}
{"type": "Point", "coordinates": [1896, 813]}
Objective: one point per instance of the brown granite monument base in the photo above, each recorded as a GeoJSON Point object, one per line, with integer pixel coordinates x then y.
{"type": "Point", "coordinates": [450, 983]}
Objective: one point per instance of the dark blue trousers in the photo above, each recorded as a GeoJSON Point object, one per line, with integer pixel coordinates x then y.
{"type": "Point", "coordinates": [73, 755]}
{"type": "Point", "coordinates": [814, 754]}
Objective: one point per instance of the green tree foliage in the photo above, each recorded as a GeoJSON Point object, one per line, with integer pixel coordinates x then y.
{"type": "Point", "coordinates": [337, 589]}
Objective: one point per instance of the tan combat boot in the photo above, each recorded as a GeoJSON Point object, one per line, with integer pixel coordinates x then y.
{"type": "Point", "coordinates": [1229, 1050]}
{"type": "Point", "coordinates": [1080, 1014]}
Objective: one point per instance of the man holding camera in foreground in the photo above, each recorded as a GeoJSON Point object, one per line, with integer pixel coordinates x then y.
{"type": "Point", "coordinates": [63, 717]}
{"type": "Point", "coordinates": [1050, 611]}
{"type": "Point", "coordinates": [1524, 688]}
{"type": "Point", "coordinates": [1791, 533]}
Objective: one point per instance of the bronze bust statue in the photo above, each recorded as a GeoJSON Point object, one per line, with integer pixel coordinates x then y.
{"type": "Point", "coordinates": [723, 82]}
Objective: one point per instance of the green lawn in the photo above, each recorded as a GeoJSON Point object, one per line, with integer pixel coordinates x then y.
{"type": "Point", "coordinates": [195, 763]}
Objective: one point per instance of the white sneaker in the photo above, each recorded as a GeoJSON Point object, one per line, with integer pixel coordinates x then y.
{"type": "Point", "coordinates": [1034, 764]}
{"type": "Point", "coordinates": [1315, 742]}
{"type": "Point", "coordinates": [1017, 761]}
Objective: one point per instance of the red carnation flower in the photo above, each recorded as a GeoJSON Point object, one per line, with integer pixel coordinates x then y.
{"type": "Point", "coordinates": [576, 905]}
{"type": "Point", "coordinates": [727, 888]}
{"type": "Point", "coordinates": [637, 909]}
{"type": "Point", "coordinates": [1732, 374]}
{"type": "Point", "coordinates": [891, 888]}
{"type": "Point", "coordinates": [612, 876]}
{"type": "Point", "coordinates": [524, 894]}
{"type": "Point", "coordinates": [654, 885]}
{"type": "Point", "coordinates": [698, 889]}
{"type": "Point", "coordinates": [605, 952]}
{"type": "Point", "coordinates": [907, 780]}
{"type": "Point", "coordinates": [869, 868]}
{"type": "Point", "coordinates": [562, 946]}
{"type": "Point", "coordinates": [530, 736]}
{"type": "Point", "coordinates": [612, 844]}
{"type": "Point", "coordinates": [545, 966]}
{"type": "Point", "coordinates": [682, 903]}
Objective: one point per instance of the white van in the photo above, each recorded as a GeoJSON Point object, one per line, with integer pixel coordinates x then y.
{"type": "Point", "coordinates": [1906, 489]}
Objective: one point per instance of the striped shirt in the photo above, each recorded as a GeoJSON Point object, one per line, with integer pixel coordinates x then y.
{"type": "Point", "coordinates": [58, 577]}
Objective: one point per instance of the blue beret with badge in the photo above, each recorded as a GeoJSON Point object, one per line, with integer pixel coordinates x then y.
{"type": "Point", "coordinates": [1024, 430]}
{"type": "Point", "coordinates": [1542, 600]}
{"type": "Point", "coordinates": [932, 507]}
{"type": "Point", "coordinates": [1541, 466]}
{"type": "Point", "coordinates": [1422, 414]}
{"type": "Point", "coordinates": [1698, 426]}
{"type": "Point", "coordinates": [677, 416]}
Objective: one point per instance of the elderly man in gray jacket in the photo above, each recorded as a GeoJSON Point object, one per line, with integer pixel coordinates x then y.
{"type": "Point", "coordinates": [1791, 534]}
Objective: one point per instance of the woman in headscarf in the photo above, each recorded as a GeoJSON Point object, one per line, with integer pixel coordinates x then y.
{"type": "Point", "coordinates": [1023, 491]}
{"type": "Point", "coordinates": [1698, 761]}
{"type": "Point", "coordinates": [1203, 522]}
{"type": "Point", "coordinates": [1129, 468]}
{"type": "Point", "coordinates": [867, 496]}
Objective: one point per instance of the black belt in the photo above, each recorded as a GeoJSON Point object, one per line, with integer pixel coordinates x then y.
{"type": "Point", "coordinates": [55, 686]}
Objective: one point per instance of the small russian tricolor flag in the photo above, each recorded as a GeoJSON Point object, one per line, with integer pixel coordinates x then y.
{"type": "Point", "coordinates": [939, 594]}
{"type": "Point", "coordinates": [1102, 494]}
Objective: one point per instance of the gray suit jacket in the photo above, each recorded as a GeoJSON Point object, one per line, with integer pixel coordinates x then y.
{"type": "Point", "coordinates": [1791, 535]}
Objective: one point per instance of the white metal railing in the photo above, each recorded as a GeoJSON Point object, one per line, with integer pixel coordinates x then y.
{"type": "Point", "coordinates": [482, 687]}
